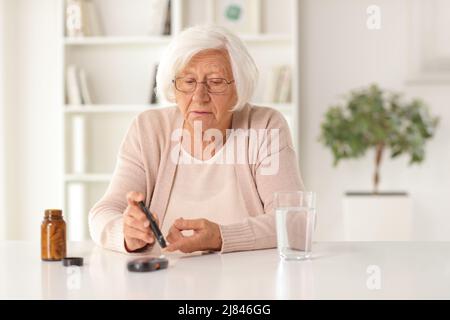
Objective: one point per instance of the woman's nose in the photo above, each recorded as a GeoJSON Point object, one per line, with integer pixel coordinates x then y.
{"type": "Point", "coordinates": [201, 93]}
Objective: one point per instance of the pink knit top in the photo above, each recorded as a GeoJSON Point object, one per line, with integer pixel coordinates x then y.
{"type": "Point", "coordinates": [145, 164]}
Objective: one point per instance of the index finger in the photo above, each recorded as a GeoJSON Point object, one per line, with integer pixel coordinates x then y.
{"type": "Point", "coordinates": [188, 224]}
{"type": "Point", "coordinates": [133, 197]}
{"type": "Point", "coordinates": [139, 215]}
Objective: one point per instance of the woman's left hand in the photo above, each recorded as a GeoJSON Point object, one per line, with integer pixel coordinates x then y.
{"type": "Point", "coordinates": [206, 236]}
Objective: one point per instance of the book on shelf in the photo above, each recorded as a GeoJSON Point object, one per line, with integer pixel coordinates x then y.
{"type": "Point", "coordinates": [159, 19]}
{"type": "Point", "coordinates": [279, 85]}
{"type": "Point", "coordinates": [79, 140]}
{"type": "Point", "coordinates": [72, 86]}
{"type": "Point", "coordinates": [285, 78]}
{"type": "Point", "coordinates": [271, 85]}
{"type": "Point", "coordinates": [85, 94]}
{"type": "Point", "coordinates": [93, 24]}
{"type": "Point", "coordinates": [77, 88]}
{"type": "Point", "coordinates": [153, 97]}
{"type": "Point", "coordinates": [168, 22]}
{"type": "Point", "coordinates": [82, 19]}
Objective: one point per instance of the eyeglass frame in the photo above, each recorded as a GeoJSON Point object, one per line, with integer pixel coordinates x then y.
{"type": "Point", "coordinates": [228, 82]}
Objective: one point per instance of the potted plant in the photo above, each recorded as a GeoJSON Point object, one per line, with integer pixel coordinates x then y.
{"type": "Point", "coordinates": [373, 119]}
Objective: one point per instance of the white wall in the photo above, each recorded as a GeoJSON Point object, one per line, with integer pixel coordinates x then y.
{"type": "Point", "coordinates": [338, 53]}
{"type": "Point", "coordinates": [9, 98]}
{"type": "Point", "coordinates": [33, 130]}
{"type": "Point", "coordinates": [2, 123]}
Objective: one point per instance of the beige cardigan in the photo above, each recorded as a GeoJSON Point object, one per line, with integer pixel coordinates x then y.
{"type": "Point", "coordinates": [144, 164]}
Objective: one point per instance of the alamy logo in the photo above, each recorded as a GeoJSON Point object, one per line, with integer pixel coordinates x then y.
{"type": "Point", "coordinates": [374, 280]}
{"type": "Point", "coordinates": [251, 146]}
{"type": "Point", "coordinates": [374, 17]}
{"type": "Point", "coordinates": [73, 278]}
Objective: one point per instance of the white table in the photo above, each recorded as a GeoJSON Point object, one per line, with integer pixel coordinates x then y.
{"type": "Point", "coordinates": [339, 270]}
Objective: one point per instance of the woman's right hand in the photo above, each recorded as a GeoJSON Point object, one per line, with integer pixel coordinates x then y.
{"type": "Point", "coordinates": [136, 227]}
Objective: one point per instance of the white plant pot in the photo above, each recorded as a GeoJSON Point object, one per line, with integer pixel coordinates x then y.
{"type": "Point", "coordinates": [382, 217]}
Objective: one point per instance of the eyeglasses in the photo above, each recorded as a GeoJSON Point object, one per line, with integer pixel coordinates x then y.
{"type": "Point", "coordinates": [213, 85]}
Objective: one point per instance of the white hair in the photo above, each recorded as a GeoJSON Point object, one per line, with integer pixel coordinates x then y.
{"type": "Point", "coordinates": [198, 38]}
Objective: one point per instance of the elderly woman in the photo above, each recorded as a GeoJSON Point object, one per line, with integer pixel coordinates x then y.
{"type": "Point", "coordinates": [201, 202]}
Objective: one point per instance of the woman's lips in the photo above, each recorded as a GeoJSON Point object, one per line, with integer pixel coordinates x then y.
{"type": "Point", "coordinates": [200, 113]}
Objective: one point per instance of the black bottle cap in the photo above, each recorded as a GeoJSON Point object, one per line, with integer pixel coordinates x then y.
{"type": "Point", "coordinates": [73, 261]}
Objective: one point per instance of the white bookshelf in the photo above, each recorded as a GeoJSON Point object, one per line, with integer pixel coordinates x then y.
{"type": "Point", "coordinates": [108, 40]}
{"type": "Point", "coordinates": [119, 66]}
{"type": "Point", "coordinates": [163, 40]}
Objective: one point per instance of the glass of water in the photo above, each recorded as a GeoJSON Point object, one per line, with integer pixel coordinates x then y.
{"type": "Point", "coordinates": [295, 213]}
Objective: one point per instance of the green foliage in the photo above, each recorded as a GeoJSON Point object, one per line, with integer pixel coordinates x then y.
{"type": "Point", "coordinates": [371, 118]}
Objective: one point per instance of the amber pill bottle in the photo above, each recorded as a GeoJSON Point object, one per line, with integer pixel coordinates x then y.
{"type": "Point", "coordinates": [53, 236]}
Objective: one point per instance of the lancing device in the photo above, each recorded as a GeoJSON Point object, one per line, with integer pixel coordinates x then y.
{"type": "Point", "coordinates": [154, 225]}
